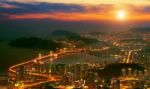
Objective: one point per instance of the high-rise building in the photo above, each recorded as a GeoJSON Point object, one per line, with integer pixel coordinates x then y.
{"type": "Point", "coordinates": [129, 72]}
{"type": "Point", "coordinates": [123, 72]}
{"type": "Point", "coordinates": [20, 73]}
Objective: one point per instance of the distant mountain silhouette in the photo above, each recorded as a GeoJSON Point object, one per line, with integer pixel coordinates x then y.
{"type": "Point", "coordinates": [140, 30]}
{"type": "Point", "coordinates": [36, 43]}
{"type": "Point", "coordinates": [62, 33]}
{"type": "Point", "coordinates": [14, 29]}
{"type": "Point", "coordinates": [73, 36]}
{"type": "Point", "coordinates": [96, 33]}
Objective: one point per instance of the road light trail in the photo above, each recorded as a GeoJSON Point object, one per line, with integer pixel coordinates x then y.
{"type": "Point", "coordinates": [124, 60]}
{"type": "Point", "coordinates": [128, 60]}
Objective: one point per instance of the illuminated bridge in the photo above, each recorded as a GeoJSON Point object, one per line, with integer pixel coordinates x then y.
{"type": "Point", "coordinates": [42, 59]}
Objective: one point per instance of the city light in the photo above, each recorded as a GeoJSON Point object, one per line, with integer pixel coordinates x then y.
{"type": "Point", "coordinates": [75, 44]}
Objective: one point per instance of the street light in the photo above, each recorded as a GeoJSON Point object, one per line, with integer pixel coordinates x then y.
{"type": "Point", "coordinates": [35, 61]}
{"type": "Point", "coordinates": [40, 56]}
{"type": "Point", "coordinates": [55, 55]}
{"type": "Point", "coordinates": [50, 70]}
{"type": "Point", "coordinates": [51, 53]}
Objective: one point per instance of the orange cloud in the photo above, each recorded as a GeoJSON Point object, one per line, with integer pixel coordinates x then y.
{"type": "Point", "coordinates": [8, 6]}
{"type": "Point", "coordinates": [84, 16]}
{"type": "Point", "coordinates": [94, 2]}
{"type": "Point", "coordinates": [64, 16]}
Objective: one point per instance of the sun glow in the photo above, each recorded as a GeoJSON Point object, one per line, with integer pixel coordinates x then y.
{"type": "Point", "coordinates": [121, 15]}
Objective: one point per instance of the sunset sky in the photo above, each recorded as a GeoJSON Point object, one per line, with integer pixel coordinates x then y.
{"type": "Point", "coordinates": [72, 14]}
{"type": "Point", "coordinates": [75, 10]}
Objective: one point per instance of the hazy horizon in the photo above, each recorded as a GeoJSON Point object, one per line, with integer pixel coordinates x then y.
{"type": "Point", "coordinates": [42, 28]}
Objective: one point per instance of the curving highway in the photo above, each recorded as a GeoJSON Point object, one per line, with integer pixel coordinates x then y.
{"type": "Point", "coordinates": [46, 77]}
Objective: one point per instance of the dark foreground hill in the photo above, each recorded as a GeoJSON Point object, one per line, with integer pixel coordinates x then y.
{"type": "Point", "coordinates": [114, 70]}
{"type": "Point", "coordinates": [35, 43]}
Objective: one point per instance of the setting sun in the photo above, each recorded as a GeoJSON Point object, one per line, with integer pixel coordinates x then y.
{"type": "Point", "coordinates": [121, 15]}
